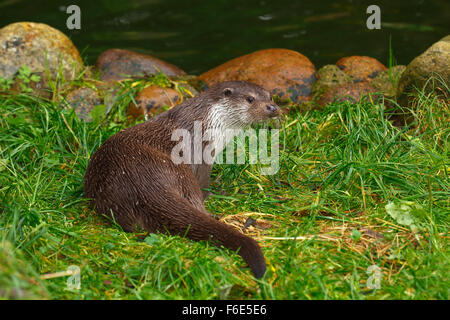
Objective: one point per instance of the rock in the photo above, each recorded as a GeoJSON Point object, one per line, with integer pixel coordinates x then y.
{"type": "Point", "coordinates": [83, 100]}
{"type": "Point", "coordinates": [327, 77]}
{"type": "Point", "coordinates": [386, 81]}
{"type": "Point", "coordinates": [118, 64]}
{"type": "Point", "coordinates": [93, 93]}
{"type": "Point", "coordinates": [360, 68]}
{"type": "Point", "coordinates": [434, 62]}
{"type": "Point", "coordinates": [152, 99]}
{"type": "Point", "coordinates": [346, 92]}
{"type": "Point", "coordinates": [285, 73]}
{"type": "Point", "coordinates": [37, 46]}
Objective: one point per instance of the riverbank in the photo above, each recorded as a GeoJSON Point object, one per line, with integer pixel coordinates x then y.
{"type": "Point", "coordinates": [340, 168]}
{"type": "Point", "coordinates": [358, 209]}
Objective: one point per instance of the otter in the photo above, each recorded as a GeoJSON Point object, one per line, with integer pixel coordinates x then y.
{"type": "Point", "coordinates": [132, 176]}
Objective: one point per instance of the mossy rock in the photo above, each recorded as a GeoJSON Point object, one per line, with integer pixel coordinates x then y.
{"type": "Point", "coordinates": [327, 77]}
{"type": "Point", "coordinates": [386, 82]}
{"type": "Point", "coordinates": [352, 92]}
{"type": "Point", "coordinates": [429, 71]}
{"type": "Point", "coordinates": [118, 64]}
{"type": "Point", "coordinates": [43, 49]}
{"type": "Point", "coordinates": [83, 100]}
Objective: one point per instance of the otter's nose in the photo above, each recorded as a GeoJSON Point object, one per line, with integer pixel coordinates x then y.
{"type": "Point", "coordinates": [272, 110]}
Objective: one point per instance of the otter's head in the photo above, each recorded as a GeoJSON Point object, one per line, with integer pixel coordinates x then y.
{"type": "Point", "coordinates": [239, 104]}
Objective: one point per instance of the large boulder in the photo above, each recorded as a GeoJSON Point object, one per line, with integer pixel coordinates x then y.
{"type": "Point", "coordinates": [118, 64]}
{"type": "Point", "coordinates": [39, 47]}
{"type": "Point", "coordinates": [433, 64]}
{"type": "Point", "coordinates": [285, 73]}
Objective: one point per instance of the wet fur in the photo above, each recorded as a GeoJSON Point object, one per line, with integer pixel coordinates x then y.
{"type": "Point", "coordinates": [132, 176]}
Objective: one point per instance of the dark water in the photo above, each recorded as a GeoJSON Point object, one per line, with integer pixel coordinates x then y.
{"type": "Point", "coordinates": [198, 35]}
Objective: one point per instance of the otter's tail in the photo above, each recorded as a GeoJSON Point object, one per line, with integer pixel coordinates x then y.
{"type": "Point", "coordinates": [197, 225]}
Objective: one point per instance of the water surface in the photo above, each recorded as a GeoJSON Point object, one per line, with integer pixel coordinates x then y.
{"type": "Point", "coordinates": [198, 35]}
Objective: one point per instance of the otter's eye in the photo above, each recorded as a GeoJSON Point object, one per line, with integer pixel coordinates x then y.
{"type": "Point", "coordinates": [227, 92]}
{"type": "Point", "coordinates": [250, 99]}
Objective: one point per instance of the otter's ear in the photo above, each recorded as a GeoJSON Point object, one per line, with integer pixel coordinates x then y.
{"type": "Point", "coordinates": [227, 92]}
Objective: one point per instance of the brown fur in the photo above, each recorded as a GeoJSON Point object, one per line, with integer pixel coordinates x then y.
{"type": "Point", "coordinates": [132, 176]}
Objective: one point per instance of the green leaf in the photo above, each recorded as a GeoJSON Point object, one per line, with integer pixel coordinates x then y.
{"type": "Point", "coordinates": [25, 88]}
{"type": "Point", "coordinates": [5, 84]}
{"type": "Point", "coordinates": [356, 234]}
{"type": "Point", "coordinates": [153, 239]}
{"type": "Point", "coordinates": [406, 213]}
{"type": "Point", "coordinates": [24, 72]}
{"type": "Point", "coordinates": [35, 78]}
{"type": "Point", "coordinates": [98, 113]}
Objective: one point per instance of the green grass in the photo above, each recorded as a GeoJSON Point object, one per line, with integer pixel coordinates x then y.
{"type": "Point", "coordinates": [339, 167]}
